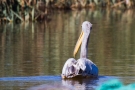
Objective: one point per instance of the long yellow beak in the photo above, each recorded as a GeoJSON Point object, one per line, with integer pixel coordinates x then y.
{"type": "Point", "coordinates": [78, 44]}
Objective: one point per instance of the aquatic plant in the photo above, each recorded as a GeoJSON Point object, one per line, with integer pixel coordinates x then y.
{"type": "Point", "coordinates": [116, 85]}
{"type": "Point", "coordinates": [25, 10]}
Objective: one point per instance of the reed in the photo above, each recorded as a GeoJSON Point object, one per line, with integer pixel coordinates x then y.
{"type": "Point", "coordinates": [25, 10]}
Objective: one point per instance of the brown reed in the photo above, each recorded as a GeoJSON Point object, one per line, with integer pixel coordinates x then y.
{"type": "Point", "coordinates": [32, 10]}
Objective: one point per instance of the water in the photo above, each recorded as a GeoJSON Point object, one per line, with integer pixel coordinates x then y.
{"type": "Point", "coordinates": [32, 54]}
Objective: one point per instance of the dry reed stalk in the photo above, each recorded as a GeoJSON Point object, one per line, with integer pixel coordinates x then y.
{"type": "Point", "coordinates": [17, 15]}
{"type": "Point", "coordinates": [117, 4]}
{"type": "Point", "coordinates": [41, 7]}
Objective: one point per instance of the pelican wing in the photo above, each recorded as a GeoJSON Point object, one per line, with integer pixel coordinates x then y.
{"type": "Point", "coordinates": [87, 67]}
{"type": "Point", "coordinates": [69, 68]}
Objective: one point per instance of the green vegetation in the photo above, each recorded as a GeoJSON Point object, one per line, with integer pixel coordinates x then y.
{"type": "Point", "coordinates": [116, 85]}
{"type": "Point", "coordinates": [31, 10]}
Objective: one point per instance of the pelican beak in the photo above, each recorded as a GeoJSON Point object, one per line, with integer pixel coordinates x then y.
{"type": "Point", "coordinates": [78, 44]}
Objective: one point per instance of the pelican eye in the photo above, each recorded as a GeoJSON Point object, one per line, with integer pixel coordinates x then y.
{"type": "Point", "coordinates": [90, 28]}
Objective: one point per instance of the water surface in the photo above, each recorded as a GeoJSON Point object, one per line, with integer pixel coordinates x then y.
{"type": "Point", "coordinates": [33, 54]}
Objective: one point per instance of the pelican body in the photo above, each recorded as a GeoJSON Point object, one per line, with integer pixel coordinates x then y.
{"type": "Point", "coordinates": [82, 67]}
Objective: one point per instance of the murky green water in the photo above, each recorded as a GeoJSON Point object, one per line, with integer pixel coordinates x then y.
{"type": "Point", "coordinates": [34, 53]}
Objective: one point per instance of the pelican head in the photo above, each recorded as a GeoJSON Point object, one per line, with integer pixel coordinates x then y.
{"type": "Point", "coordinates": [86, 28]}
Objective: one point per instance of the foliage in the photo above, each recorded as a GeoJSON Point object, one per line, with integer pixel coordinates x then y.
{"type": "Point", "coordinates": [25, 10]}
{"type": "Point", "coordinates": [116, 85]}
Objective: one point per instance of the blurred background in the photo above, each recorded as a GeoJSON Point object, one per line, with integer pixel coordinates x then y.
{"type": "Point", "coordinates": [39, 36]}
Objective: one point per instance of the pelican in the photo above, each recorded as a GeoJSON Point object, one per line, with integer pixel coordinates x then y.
{"type": "Point", "coordinates": [82, 67]}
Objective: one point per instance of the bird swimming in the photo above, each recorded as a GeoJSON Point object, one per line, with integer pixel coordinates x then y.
{"type": "Point", "coordinates": [83, 66]}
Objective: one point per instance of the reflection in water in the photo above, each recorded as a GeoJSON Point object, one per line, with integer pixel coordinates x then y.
{"type": "Point", "coordinates": [68, 85]}
{"type": "Point", "coordinates": [80, 84]}
{"type": "Point", "coordinates": [52, 82]}
{"type": "Point", "coordinates": [50, 87]}
{"type": "Point", "coordinates": [35, 49]}
{"type": "Point", "coordinates": [86, 84]}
